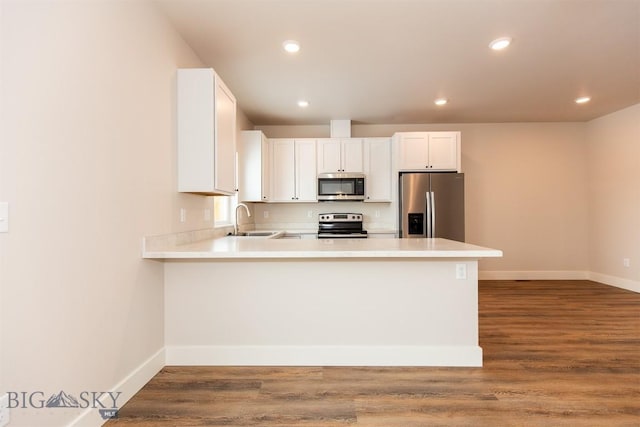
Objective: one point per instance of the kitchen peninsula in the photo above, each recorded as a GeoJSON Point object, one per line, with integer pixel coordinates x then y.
{"type": "Point", "coordinates": [376, 302]}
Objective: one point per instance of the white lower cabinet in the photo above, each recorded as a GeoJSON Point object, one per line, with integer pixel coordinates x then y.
{"type": "Point", "coordinates": [382, 235]}
{"type": "Point", "coordinates": [310, 235]}
{"type": "Point", "coordinates": [293, 170]}
{"type": "Point", "coordinates": [377, 168]}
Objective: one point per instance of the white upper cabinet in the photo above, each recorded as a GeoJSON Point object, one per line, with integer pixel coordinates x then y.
{"type": "Point", "coordinates": [206, 133]}
{"type": "Point", "coordinates": [377, 168]}
{"type": "Point", "coordinates": [283, 159]}
{"type": "Point", "coordinates": [293, 170]}
{"type": "Point", "coordinates": [340, 155]}
{"type": "Point", "coordinates": [444, 150]}
{"type": "Point", "coordinates": [253, 167]}
{"type": "Point", "coordinates": [430, 151]}
{"type": "Point", "coordinates": [306, 173]}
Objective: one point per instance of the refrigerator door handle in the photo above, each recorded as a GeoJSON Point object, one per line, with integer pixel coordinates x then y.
{"type": "Point", "coordinates": [428, 215]}
{"type": "Point", "coordinates": [433, 214]}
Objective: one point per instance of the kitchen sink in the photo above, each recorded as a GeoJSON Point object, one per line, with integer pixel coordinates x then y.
{"type": "Point", "coordinates": [267, 234]}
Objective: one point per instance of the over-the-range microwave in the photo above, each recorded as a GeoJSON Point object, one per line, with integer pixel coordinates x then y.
{"type": "Point", "coordinates": [341, 186]}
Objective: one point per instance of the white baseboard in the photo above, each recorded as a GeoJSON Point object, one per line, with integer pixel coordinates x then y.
{"type": "Point", "coordinates": [324, 355]}
{"type": "Point", "coordinates": [533, 275]}
{"type": "Point", "coordinates": [129, 386]}
{"type": "Point", "coordinates": [618, 282]}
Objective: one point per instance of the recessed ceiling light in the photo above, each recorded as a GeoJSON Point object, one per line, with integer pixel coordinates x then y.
{"type": "Point", "coordinates": [303, 104]}
{"type": "Point", "coordinates": [583, 100]}
{"type": "Point", "coordinates": [291, 46]}
{"type": "Point", "coordinates": [501, 43]}
{"type": "Point", "coordinates": [440, 101]}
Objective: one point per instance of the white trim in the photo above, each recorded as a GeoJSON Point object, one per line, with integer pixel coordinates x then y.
{"type": "Point", "coordinates": [618, 282]}
{"type": "Point", "coordinates": [533, 275]}
{"type": "Point", "coordinates": [129, 386]}
{"type": "Point", "coordinates": [324, 355]}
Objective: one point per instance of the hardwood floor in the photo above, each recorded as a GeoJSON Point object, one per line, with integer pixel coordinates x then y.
{"type": "Point", "coordinates": [556, 353]}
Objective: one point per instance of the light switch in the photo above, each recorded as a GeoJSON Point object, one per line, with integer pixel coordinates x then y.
{"type": "Point", "coordinates": [4, 217]}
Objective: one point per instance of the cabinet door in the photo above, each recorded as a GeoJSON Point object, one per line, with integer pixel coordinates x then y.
{"type": "Point", "coordinates": [206, 120]}
{"type": "Point", "coordinates": [305, 173]}
{"type": "Point", "coordinates": [225, 139]}
{"type": "Point", "coordinates": [351, 155]}
{"type": "Point", "coordinates": [328, 155]}
{"type": "Point", "coordinates": [250, 166]}
{"type": "Point", "coordinates": [377, 167]}
{"type": "Point", "coordinates": [253, 167]}
{"type": "Point", "coordinates": [282, 170]}
{"type": "Point", "coordinates": [443, 150]}
{"type": "Point", "coordinates": [266, 169]}
{"type": "Point", "coordinates": [413, 151]}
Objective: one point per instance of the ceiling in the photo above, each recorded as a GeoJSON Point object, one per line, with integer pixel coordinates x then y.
{"type": "Point", "coordinates": [386, 61]}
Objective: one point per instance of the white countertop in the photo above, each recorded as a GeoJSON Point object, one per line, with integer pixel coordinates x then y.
{"type": "Point", "coordinates": [232, 247]}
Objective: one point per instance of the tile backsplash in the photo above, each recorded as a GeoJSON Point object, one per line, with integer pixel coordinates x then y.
{"type": "Point", "coordinates": [304, 216]}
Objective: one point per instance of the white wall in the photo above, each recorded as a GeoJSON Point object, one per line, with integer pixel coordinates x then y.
{"type": "Point", "coordinates": [87, 163]}
{"type": "Point", "coordinates": [525, 190]}
{"type": "Point", "coordinates": [614, 197]}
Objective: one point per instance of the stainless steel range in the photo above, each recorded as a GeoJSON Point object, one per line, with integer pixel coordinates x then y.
{"type": "Point", "coordinates": [340, 226]}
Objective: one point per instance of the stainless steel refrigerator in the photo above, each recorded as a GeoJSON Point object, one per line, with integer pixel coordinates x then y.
{"type": "Point", "coordinates": [432, 205]}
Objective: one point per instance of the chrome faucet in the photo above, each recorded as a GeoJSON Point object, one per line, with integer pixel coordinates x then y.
{"type": "Point", "coordinates": [235, 225]}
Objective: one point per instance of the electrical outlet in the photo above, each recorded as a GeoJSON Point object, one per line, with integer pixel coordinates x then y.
{"type": "Point", "coordinates": [207, 214]}
{"type": "Point", "coordinates": [4, 217]}
{"type": "Point", "coordinates": [626, 262]}
{"type": "Point", "coordinates": [5, 415]}
{"type": "Point", "coordinates": [183, 214]}
{"type": "Point", "coordinates": [309, 214]}
{"type": "Point", "coordinates": [377, 214]}
{"type": "Point", "coordinates": [461, 271]}
{"type": "Point", "coordinates": [265, 214]}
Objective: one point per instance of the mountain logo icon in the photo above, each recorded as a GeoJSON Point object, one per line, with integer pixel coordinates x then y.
{"type": "Point", "coordinates": [62, 400]}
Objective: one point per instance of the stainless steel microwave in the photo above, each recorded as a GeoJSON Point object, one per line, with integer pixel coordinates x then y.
{"type": "Point", "coordinates": [341, 186]}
